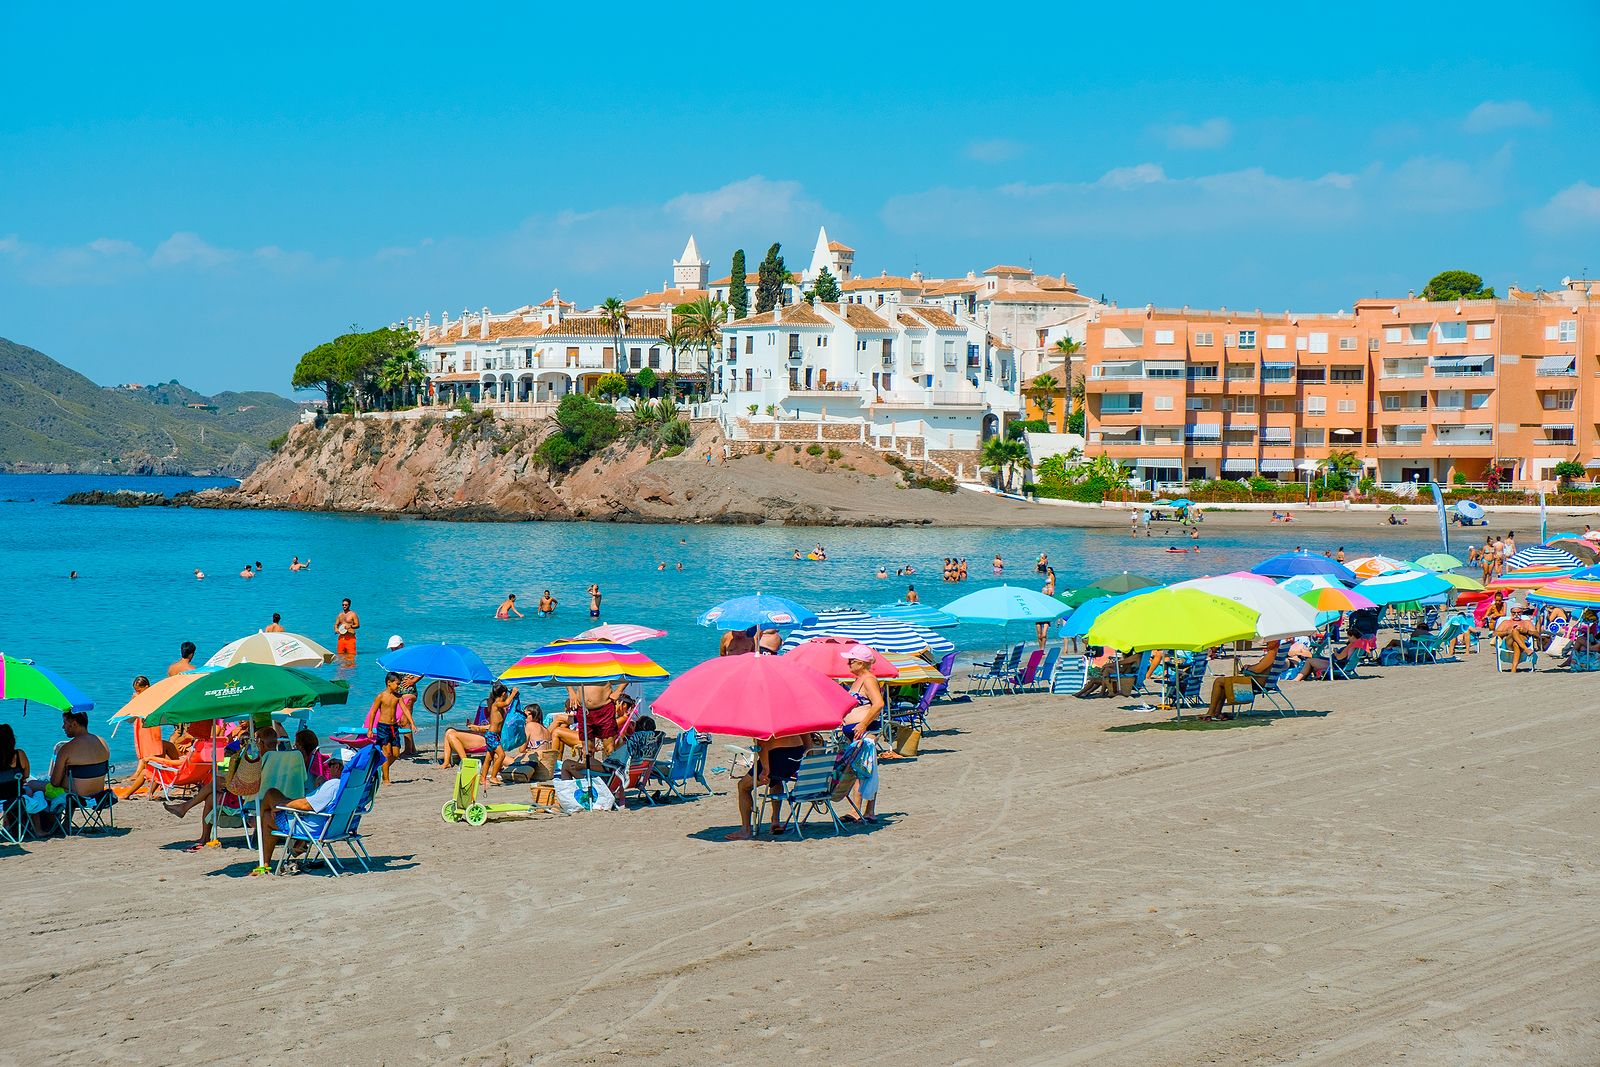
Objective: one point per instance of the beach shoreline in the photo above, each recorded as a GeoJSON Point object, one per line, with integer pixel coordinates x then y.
{"type": "Point", "coordinates": [1059, 880]}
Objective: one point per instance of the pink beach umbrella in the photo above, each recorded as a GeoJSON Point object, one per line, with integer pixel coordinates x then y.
{"type": "Point", "coordinates": [621, 633]}
{"type": "Point", "coordinates": [754, 696]}
{"type": "Point", "coordinates": [830, 656]}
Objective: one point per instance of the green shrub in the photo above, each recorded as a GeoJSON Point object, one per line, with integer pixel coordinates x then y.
{"type": "Point", "coordinates": [1021, 426]}
{"type": "Point", "coordinates": [813, 450]}
{"type": "Point", "coordinates": [584, 428]}
{"type": "Point", "coordinates": [1458, 478]}
{"type": "Point", "coordinates": [834, 455]}
{"type": "Point", "coordinates": [277, 443]}
{"type": "Point", "coordinates": [464, 405]}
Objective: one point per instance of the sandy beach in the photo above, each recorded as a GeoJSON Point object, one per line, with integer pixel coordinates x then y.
{"type": "Point", "coordinates": [1406, 872]}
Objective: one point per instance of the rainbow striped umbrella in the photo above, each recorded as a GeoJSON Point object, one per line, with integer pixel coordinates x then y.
{"type": "Point", "coordinates": [914, 670]}
{"type": "Point", "coordinates": [1335, 598]}
{"type": "Point", "coordinates": [581, 662]}
{"type": "Point", "coordinates": [1530, 577]}
{"type": "Point", "coordinates": [621, 633]}
{"type": "Point", "coordinates": [1572, 592]}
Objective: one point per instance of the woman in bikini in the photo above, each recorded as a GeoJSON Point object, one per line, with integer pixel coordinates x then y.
{"type": "Point", "coordinates": [859, 723]}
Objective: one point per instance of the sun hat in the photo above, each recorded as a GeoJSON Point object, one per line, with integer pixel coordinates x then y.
{"type": "Point", "coordinates": [861, 653]}
{"type": "Point", "coordinates": [396, 641]}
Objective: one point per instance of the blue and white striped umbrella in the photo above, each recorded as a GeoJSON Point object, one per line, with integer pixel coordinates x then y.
{"type": "Point", "coordinates": [1403, 587]}
{"type": "Point", "coordinates": [842, 615]}
{"type": "Point", "coordinates": [923, 615]}
{"type": "Point", "coordinates": [1542, 556]}
{"type": "Point", "coordinates": [885, 635]}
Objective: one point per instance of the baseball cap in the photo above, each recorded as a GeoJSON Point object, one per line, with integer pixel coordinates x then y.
{"type": "Point", "coordinates": [396, 641]}
{"type": "Point", "coordinates": [860, 652]}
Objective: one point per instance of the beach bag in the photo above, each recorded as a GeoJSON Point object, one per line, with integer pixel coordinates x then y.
{"type": "Point", "coordinates": [544, 795]}
{"type": "Point", "coordinates": [906, 740]}
{"type": "Point", "coordinates": [588, 793]}
{"type": "Point", "coordinates": [244, 780]}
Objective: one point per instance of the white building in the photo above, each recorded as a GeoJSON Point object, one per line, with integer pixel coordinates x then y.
{"type": "Point", "coordinates": [913, 370]}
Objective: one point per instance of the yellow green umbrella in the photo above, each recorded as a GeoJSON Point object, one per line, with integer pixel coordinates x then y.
{"type": "Point", "coordinates": [1462, 582]}
{"type": "Point", "coordinates": [1186, 619]}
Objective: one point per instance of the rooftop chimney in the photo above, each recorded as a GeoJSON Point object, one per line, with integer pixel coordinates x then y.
{"type": "Point", "coordinates": [483, 325]}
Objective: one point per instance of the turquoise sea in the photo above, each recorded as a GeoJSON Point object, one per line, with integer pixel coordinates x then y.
{"type": "Point", "coordinates": [135, 599]}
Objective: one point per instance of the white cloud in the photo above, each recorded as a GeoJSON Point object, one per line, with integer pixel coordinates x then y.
{"type": "Point", "coordinates": [185, 249]}
{"type": "Point", "coordinates": [1492, 115]}
{"type": "Point", "coordinates": [1575, 207]}
{"type": "Point", "coordinates": [995, 150]}
{"type": "Point", "coordinates": [1212, 133]}
{"type": "Point", "coordinates": [107, 260]}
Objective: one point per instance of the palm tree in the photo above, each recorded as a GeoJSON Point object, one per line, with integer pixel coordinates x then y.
{"type": "Point", "coordinates": [1066, 348]}
{"type": "Point", "coordinates": [1340, 466]}
{"type": "Point", "coordinates": [1003, 455]}
{"type": "Point", "coordinates": [614, 313]}
{"type": "Point", "coordinates": [1043, 389]}
{"type": "Point", "coordinates": [676, 341]}
{"type": "Point", "coordinates": [702, 322]}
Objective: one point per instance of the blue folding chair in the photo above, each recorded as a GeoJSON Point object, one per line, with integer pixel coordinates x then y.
{"type": "Point", "coordinates": [688, 764]}
{"type": "Point", "coordinates": [319, 831]}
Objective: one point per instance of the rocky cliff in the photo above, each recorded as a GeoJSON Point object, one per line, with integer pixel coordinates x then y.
{"type": "Point", "coordinates": [477, 467]}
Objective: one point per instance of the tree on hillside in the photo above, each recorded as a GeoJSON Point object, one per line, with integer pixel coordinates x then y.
{"type": "Point", "coordinates": [702, 322]}
{"type": "Point", "coordinates": [349, 367]}
{"type": "Point", "coordinates": [614, 313]}
{"type": "Point", "coordinates": [1004, 456]}
{"type": "Point", "coordinates": [738, 291]}
{"type": "Point", "coordinates": [825, 288]}
{"type": "Point", "coordinates": [771, 277]}
{"type": "Point", "coordinates": [1456, 285]}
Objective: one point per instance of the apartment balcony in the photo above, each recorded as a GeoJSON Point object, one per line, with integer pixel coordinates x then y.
{"type": "Point", "coordinates": [845, 394]}
{"type": "Point", "coordinates": [1556, 367]}
{"type": "Point", "coordinates": [1206, 386]}
{"type": "Point", "coordinates": [1460, 416]}
{"type": "Point", "coordinates": [1462, 366]}
{"type": "Point", "coordinates": [938, 398]}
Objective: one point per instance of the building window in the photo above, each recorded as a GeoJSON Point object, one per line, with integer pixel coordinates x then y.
{"type": "Point", "coordinates": [1244, 405]}
{"type": "Point", "coordinates": [1203, 337]}
{"type": "Point", "coordinates": [1391, 334]}
{"type": "Point", "coordinates": [655, 356]}
{"type": "Point", "coordinates": [1560, 435]}
{"type": "Point", "coordinates": [1277, 405]}
{"type": "Point", "coordinates": [1480, 331]}
{"type": "Point", "coordinates": [1163, 403]}
{"type": "Point", "coordinates": [1347, 344]}
{"type": "Point", "coordinates": [749, 343]}
{"type": "Point", "coordinates": [1417, 333]}
{"type": "Point", "coordinates": [1199, 403]}
{"type": "Point", "coordinates": [1310, 438]}
{"type": "Point", "coordinates": [1163, 337]}
{"type": "Point", "coordinates": [1348, 375]}
{"type": "Point", "coordinates": [635, 358]}
{"type": "Point", "coordinates": [1318, 342]}
{"type": "Point", "coordinates": [1347, 407]}
{"type": "Point", "coordinates": [1247, 338]}
{"type": "Point", "coordinates": [822, 340]}
{"type": "Point", "coordinates": [1567, 331]}
{"type": "Point", "coordinates": [1452, 332]}
{"type": "Point", "coordinates": [1311, 375]}
{"type": "Point", "coordinates": [1274, 340]}
{"type": "Point", "coordinates": [1316, 405]}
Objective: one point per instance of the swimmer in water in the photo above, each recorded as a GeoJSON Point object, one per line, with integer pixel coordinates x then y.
{"type": "Point", "coordinates": [547, 604]}
{"type": "Point", "coordinates": [797, 553]}
{"type": "Point", "coordinates": [883, 572]}
{"type": "Point", "coordinates": [508, 608]}
{"type": "Point", "coordinates": [680, 565]}
{"type": "Point", "coordinates": [199, 575]}
{"type": "Point", "coordinates": [594, 600]}
{"type": "Point", "coordinates": [661, 566]}
{"type": "Point", "coordinates": [247, 572]}
{"type": "Point", "coordinates": [73, 576]}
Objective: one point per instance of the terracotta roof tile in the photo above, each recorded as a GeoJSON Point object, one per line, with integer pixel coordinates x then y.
{"type": "Point", "coordinates": [861, 318]}
{"type": "Point", "coordinates": [794, 315]}
{"type": "Point", "coordinates": [752, 278]}
{"type": "Point", "coordinates": [835, 246]}
{"type": "Point", "coordinates": [669, 296]}
{"type": "Point", "coordinates": [886, 281]}
{"type": "Point", "coordinates": [938, 318]}
{"type": "Point", "coordinates": [1004, 269]}
{"type": "Point", "coordinates": [643, 327]}
{"type": "Point", "coordinates": [1036, 296]}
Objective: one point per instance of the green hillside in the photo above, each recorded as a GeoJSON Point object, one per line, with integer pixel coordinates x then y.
{"type": "Point", "coordinates": [54, 419]}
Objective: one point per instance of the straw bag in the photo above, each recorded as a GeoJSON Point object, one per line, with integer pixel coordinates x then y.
{"type": "Point", "coordinates": [244, 778]}
{"type": "Point", "coordinates": [907, 739]}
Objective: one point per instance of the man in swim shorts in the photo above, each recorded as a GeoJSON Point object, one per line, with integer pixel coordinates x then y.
{"type": "Point", "coordinates": [275, 626]}
{"type": "Point", "coordinates": [508, 608]}
{"type": "Point", "coordinates": [384, 721]}
{"type": "Point", "coordinates": [345, 624]}
{"type": "Point", "coordinates": [594, 600]}
{"type": "Point", "coordinates": [547, 604]}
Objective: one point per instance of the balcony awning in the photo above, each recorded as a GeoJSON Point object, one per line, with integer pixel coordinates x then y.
{"type": "Point", "coordinates": [1459, 364]}
{"type": "Point", "coordinates": [1276, 465]}
{"type": "Point", "coordinates": [1121, 366]}
{"type": "Point", "coordinates": [1168, 366]}
{"type": "Point", "coordinates": [1558, 426]}
{"type": "Point", "coordinates": [1593, 464]}
{"type": "Point", "coordinates": [1270, 365]}
{"type": "Point", "coordinates": [1163, 462]}
{"type": "Point", "coordinates": [1277, 435]}
{"type": "Point", "coordinates": [1557, 364]}
{"type": "Point", "coordinates": [1209, 431]}
{"type": "Point", "coordinates": [1242, 466]}
{"type": "Point", "coordinates": [1415, 427]}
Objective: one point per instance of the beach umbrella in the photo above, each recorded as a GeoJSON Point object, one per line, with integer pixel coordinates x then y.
{"type": "Point", "coordinates": [1278, 613]}
{"type": "Point", "coordinates": [583, 662]}
{"type": "Point", "coordinates": [885, 635]}
{"type": "Point", "coordinates": [923, 615]}
{"type": "Point", "coordinates": [827, 655]}
{"type": "Point", "coordinates": [1462, 583]}
{"type": "Point", "coordinates": [760, 610]}
{"type": "Point", "coordinates": [1400, 587]}
{"type": "Point", "coordinates": [1181, 502]}
{"type": "Point", "coordinates": [914, 670]}
{"type": "Point", "coordinates": [1372, 566]}
{"type": "Point", "coordinates": [1332, 599]}
{"type": "Point", "coordinates": [25, 680]}
{"type": "Point", "coordinates": [1121, 582]}
{"type": "Point", "coordinates": [1470, 510]}
{"type": "Point", "coordinates": [621, 633]}
{"type": "Point", "coordinates": [1179, 619]}
{"type": "Point", "coordinates": [842, 615]}
{"type": "Point", "coordinates": [1438, 561]}
{"type": "Point", "coordinates": [1077, 624]}
{"type": "Point", "coordinates": [242, 691]}
{"type": "Point", "coordinates": [1531, 577]}
{"type": "Point", "coordinates": [754, 696]}
{"type": "Point", "coordinates": [1571, 592]}
{"type": "Point", "coordinates": [1542, 556]}
{"type": "Point", "coordinates": [1290, 564]}
{"type": "Point", "coordinates": [1585, 551]}
{"type": "Point", "coordinates": [278, 649]}
{"type": "Point", "coordinates": [449, 663]}
{"type": "Point", "coordinates": [1007, 603]}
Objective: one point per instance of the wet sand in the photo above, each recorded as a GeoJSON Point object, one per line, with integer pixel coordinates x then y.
{"type": "Point", "coordinates": [1406, 872]}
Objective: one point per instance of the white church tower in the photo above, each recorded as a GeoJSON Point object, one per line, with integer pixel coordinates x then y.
{"type": "Point", "coordinates": [690, 271]}
{"type": "Point", "coordinates": [836, 257]}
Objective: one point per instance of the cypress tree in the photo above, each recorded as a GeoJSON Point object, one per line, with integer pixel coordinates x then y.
{"type": "Point", "coordinates": [738, 292]}
{"type": "Point", "coordinates": [771, 278]}
{"type": "Point", "coordinates": [826, 287]}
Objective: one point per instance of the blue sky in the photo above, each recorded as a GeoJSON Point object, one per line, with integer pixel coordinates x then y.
{"type": "Point", "coordinates": [205, 193]}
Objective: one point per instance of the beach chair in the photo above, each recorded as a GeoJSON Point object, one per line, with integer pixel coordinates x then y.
{"type": "Point", "coordinates": [634, 774]}
{"type": "Point", "coordinates": [1020, 680]}
{"type": "Point", "coordinates": [14, 822]}
{"type": "Point", "coordinates": [1427, 648]}
{"type": "Point", "coordinates": [1189, 690]}
{"type": "Point", "coordinates": [1071, 674]}
{"type": "Point", "coordinates": [1047, 669]}
{"type": "Point", "coordinates": [194, 769]}
{"type": "Point", "coordinates": [982, 677]}
{"type": "Point", "coordinates": [1270, 687]}
{"type": "Point", "coordinates": [813, 789]}
{"type": "Point", "coordinates": [947, 667]}
{"type": "Point", "coordinates": [319, 831]}
{"type": "Point", "coordinates": [1141, 676]}
{"type": "Point", "coordinates": [688, 764]}
{"type": "Point", "coordinates": [1349, 668]}
{"type": "Point", "coordinates": [1503, 656]}
{"type": "Point", "coordinates": [916, 715]}
{"type": "Point", "coordinates": [93, 812]}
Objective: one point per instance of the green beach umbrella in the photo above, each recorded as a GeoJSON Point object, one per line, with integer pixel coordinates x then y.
{"type": "Point", "coordinates": [1110, 585]}
{"type": "Point", "coordinates": [244, 691]}
{"type": "Point", "coordinates": [1462, 582]}
{"type": "Point", "coordinates": [26, 681]}
{"type": "Point", "coordinates": [1180, 619]}
{"type": "Point", "coordinates": [1439, 561]}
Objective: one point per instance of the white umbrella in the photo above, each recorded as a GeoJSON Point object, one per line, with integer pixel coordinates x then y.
{"type": "Point", "coordinates": [277, 649]}
{"type": "Point", "coordinates": [1282, 613]}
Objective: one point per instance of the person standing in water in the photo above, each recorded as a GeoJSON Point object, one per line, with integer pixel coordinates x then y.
{"type": "Point", "coordinates": [594, 600]}
{"type": "Point", "coordinates": [275, 626]}
{"type": "Point", "coordinates": [345, 625]}
{"type": "Point", "coordinates": [547, 604]}
{"type": "Point", "coordinates": [508, 608]}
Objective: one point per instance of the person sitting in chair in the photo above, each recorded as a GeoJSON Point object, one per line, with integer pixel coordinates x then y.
{"type": "Point", "coordinates": [777, 760]}
{"type": "Point", "coordinates": [1519, 633]}
{"type": "Point", "coordinates": [1255, 675]}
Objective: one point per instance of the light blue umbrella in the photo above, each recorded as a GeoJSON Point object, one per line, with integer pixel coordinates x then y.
{"type": "Point", "coordinates": [885, 635]}
{"type": "Point", "coordinates": [1402, 587]}
{"type": "Point", "coordinates": [1006, 603]}
{"type": "Point", "coordinates": [1083, 616]}
{"type": "Point", "coordinates": [923, 615]}
{"type": "Point", "coordinates": [1290, 564]}
{"type": "Point", "coordinates": [761, 610]}
{"type": "Point", "coordinates": [450, 663]}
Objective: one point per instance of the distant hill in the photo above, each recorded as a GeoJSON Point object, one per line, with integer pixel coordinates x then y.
{"type": "Point", "coordinates": [54, 419]}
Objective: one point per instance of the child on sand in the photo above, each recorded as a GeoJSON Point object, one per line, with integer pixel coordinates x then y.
{"type": "Point", "coordinates": [384, 720]}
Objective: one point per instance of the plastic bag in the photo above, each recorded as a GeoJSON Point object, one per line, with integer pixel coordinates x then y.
{"type": "Point", "coordinates": [588, 793]}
